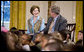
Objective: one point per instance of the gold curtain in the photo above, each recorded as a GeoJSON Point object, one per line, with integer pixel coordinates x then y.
{"type": "Point", "coordinates": [79, 17]}
{"type": "Point", "coordinates": [49, 4]}
{"type": "Point", "coordinates": [17, 14]}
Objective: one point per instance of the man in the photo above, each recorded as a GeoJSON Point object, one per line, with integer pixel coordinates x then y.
{"type": "Point", "coordinates": [80, 38]}
{"type": "Point", "coordinates": [79, 44]}
{"type": "Point", "coordinates": [80, 35]}
{"type": "Point", "coordinates": [56, 22]}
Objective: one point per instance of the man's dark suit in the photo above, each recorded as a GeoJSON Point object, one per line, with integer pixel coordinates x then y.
{"type": "Point", "coordinates": [60, 24]}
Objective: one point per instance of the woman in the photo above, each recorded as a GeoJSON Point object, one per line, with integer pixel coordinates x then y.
{"type": "Point", "coordinates": [35, 23]}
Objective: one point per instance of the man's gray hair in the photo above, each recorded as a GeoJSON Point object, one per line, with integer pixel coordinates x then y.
{"type": "Point", "coordinates": [55, 9]}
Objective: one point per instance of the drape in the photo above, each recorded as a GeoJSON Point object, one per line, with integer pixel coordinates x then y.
{"type": "Point", "coordinates": [17, 14]}
{"type": "Point", "coordinates": [79, 17]}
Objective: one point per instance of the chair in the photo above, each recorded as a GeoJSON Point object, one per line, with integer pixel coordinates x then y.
{"type": "Point", "coordinates": [71, 28]}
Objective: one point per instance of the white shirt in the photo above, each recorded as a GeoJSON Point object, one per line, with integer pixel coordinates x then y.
{"type": "Point", "coordinates": [26, 48]}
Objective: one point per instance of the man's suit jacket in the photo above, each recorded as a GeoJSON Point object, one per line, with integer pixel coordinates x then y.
{"type": "Point", "coordinates": [60, 24]}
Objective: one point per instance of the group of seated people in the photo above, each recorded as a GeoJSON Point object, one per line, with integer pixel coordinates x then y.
{"type": "Point", "coordinates": [15, 40]}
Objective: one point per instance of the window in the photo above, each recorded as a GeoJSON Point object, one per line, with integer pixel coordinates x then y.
{"type": "Point", "coordinates": [5, 7]}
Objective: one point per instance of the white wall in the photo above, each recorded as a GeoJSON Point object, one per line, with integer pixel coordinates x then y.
{"type": "Point", "coordinates": [67, 9]}
{"type": "Point", "coordinates": [43, 9]}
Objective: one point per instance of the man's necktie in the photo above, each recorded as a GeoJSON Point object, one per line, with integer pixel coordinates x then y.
{"type": "Point", "coordinates": [51, 26]}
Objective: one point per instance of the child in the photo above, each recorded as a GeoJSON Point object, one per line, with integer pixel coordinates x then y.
{"type": "Point", "coordinates": [25, 42]}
